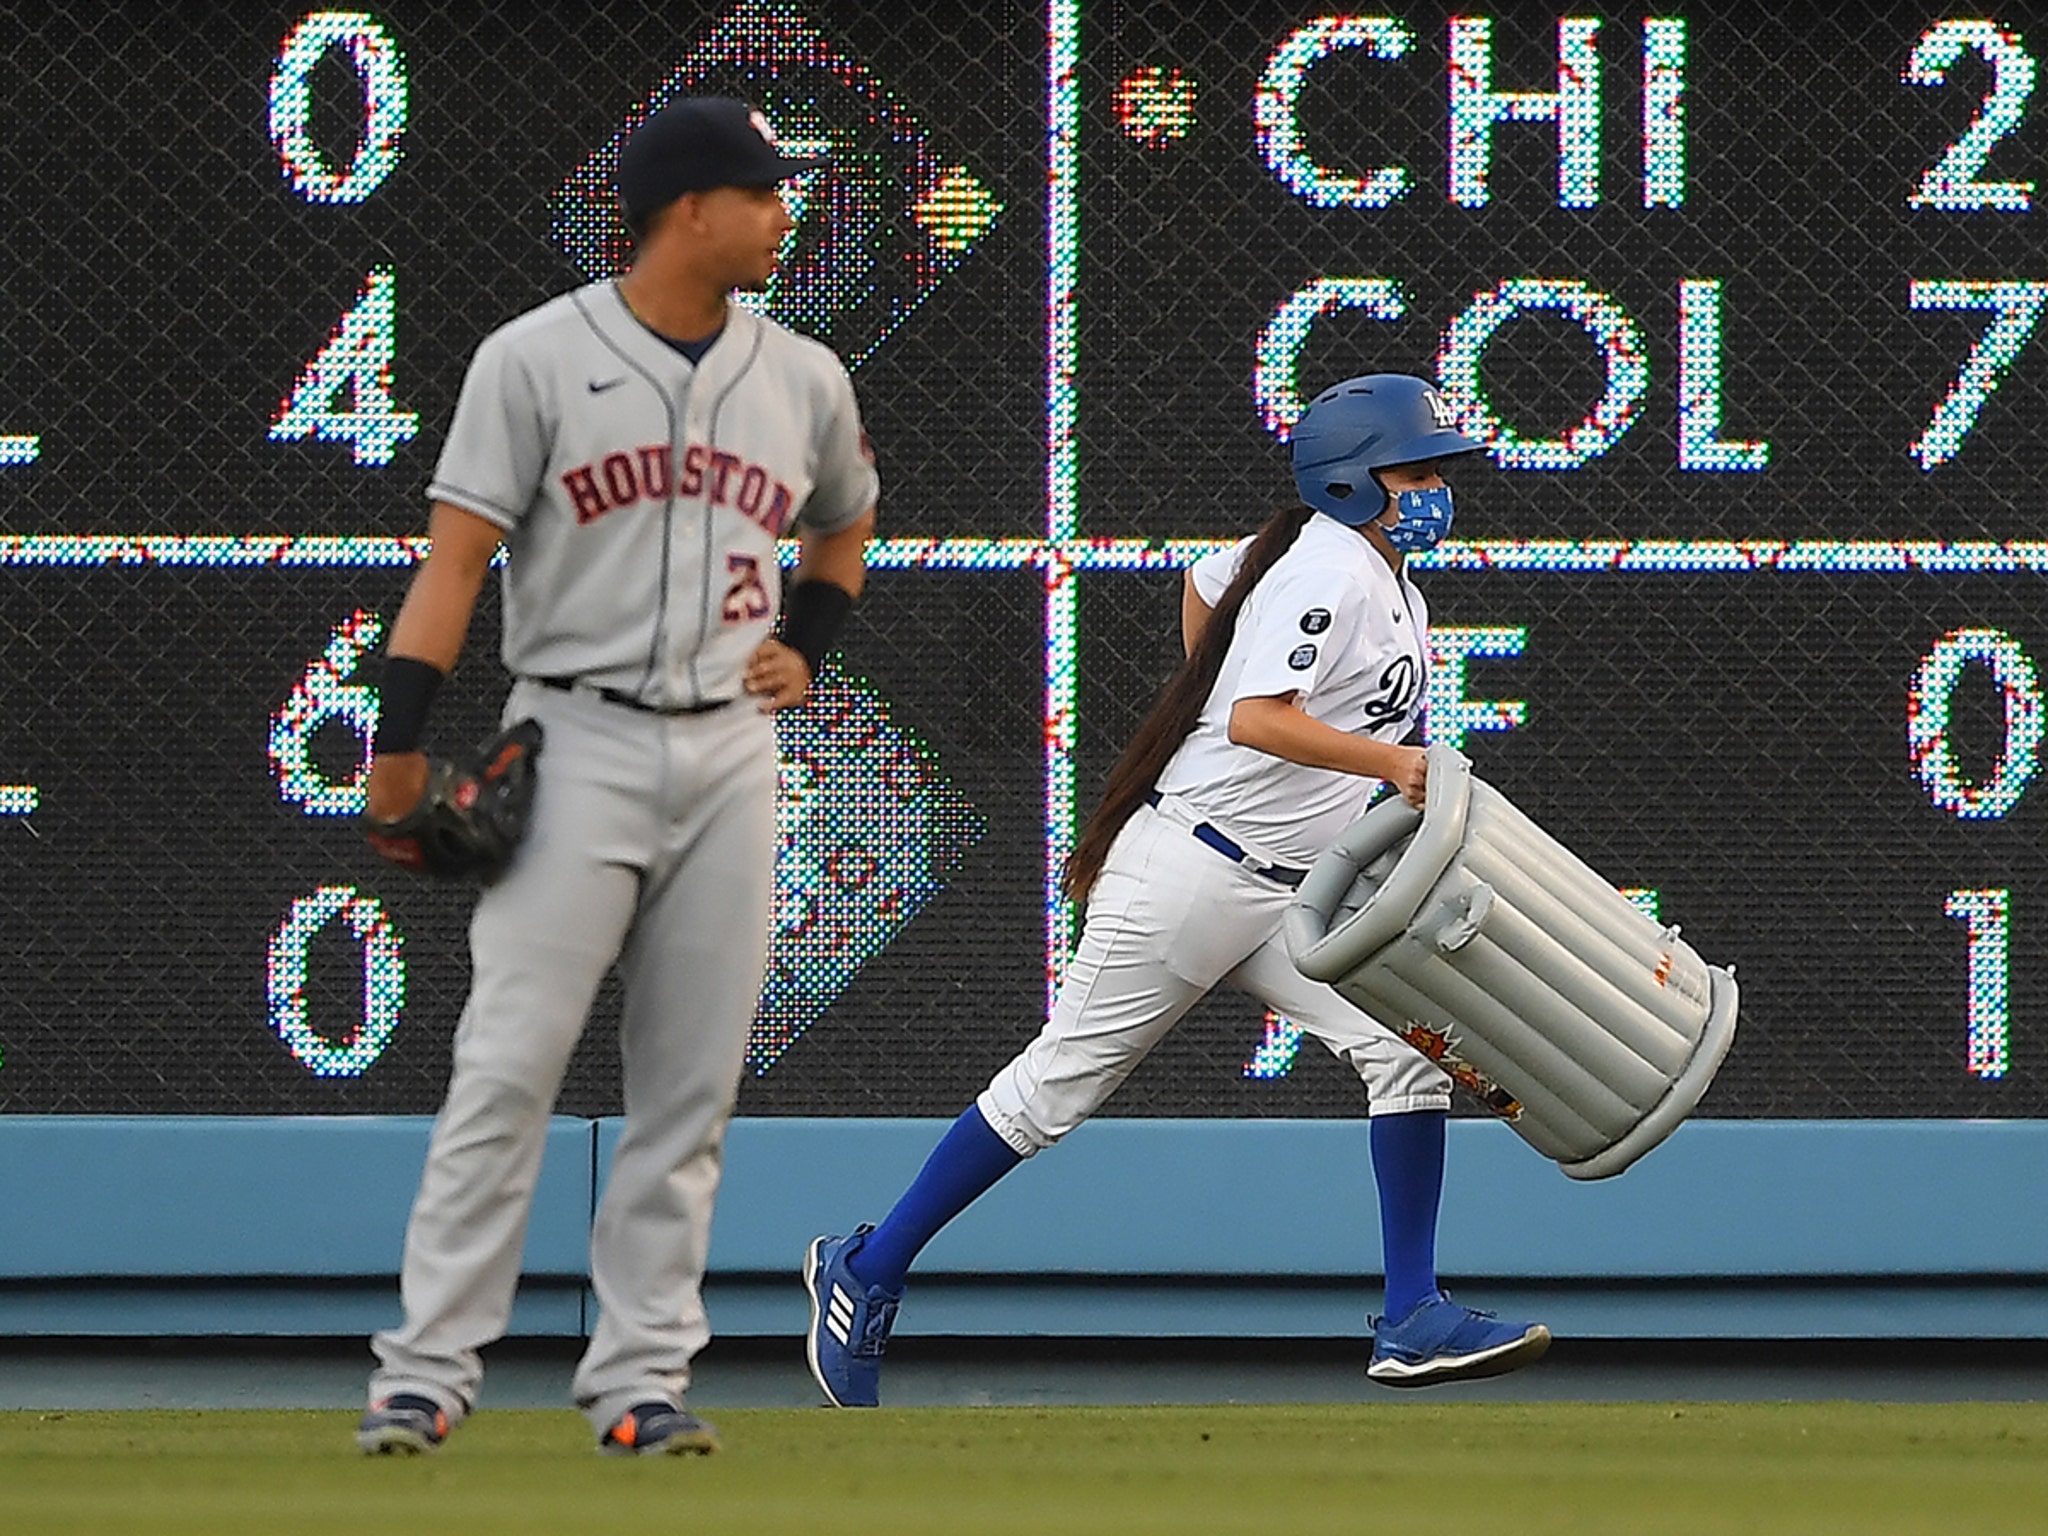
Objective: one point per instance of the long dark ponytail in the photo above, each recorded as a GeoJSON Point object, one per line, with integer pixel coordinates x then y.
{"type": "Point", "coordinates": [1176, 710]}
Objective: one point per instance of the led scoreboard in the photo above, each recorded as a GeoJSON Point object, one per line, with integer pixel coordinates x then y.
{"type": "Point", "coordinates": [1745, 604]}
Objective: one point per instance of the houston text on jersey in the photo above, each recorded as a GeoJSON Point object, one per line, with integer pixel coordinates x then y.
{"type": "Point", "coordinates": [648, 474]}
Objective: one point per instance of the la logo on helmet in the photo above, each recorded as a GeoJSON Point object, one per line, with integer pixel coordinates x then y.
{"type": "Point", "coordinates": [1440, 410]}
{"type": "Point", "coordinates": [761, 127]}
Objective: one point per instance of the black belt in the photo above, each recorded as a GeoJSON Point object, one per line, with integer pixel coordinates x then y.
{"type": "Point", "coordinates": [1280, 874]}
{"type": "Point", "coordinates": [621, 697]}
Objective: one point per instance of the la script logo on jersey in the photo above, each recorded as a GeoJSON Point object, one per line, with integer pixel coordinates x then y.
{"type": "Point", "coordinates": [648, 474]}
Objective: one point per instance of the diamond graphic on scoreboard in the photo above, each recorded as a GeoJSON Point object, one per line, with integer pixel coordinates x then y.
{"type": "Point", "coordinates": [877, 230]}
{"type": "Point", "coordinates": [1155, 106]}
{"type": "Point", "coordinates": [866, 830]}
{"type": "Point", "coordinates": [958, 211]}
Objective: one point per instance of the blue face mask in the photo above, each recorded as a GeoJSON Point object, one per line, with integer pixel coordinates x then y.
{"type": "Point", "coordinates": [1425, 520]}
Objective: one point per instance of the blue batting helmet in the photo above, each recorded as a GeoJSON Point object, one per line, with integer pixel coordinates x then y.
{"type": "Point", "coordinates": [1366, 424]}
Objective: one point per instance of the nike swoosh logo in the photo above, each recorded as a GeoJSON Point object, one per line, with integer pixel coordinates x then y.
{"type": "Point", "coordinates": [599, 386]}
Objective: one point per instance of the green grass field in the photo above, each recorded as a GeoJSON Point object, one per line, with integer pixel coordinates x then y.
{"type": "Point", "coordinates": [1638, 1468]}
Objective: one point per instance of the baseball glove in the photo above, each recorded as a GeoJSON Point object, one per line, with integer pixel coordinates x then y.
{"type": "Point", "coordinates": [472, 813]}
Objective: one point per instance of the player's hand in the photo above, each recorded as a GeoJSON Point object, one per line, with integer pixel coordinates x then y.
{"type": "Point", "coordinates": [397, 780]}
{"type": "Point", "coordinates": [1411, 775]}
{"type": "Point", "coordinates": [777, 676]}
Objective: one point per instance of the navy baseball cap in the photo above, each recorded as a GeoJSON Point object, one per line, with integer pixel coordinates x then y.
{"type": "Point", "coordinates": [696, 143]}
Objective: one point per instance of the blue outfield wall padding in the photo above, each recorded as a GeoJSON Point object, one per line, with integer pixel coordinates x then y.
{"type": "Point", "coordinates": [1721, 1198]}
{"type": "Point", "coordinates": [1251, 1309]}
{"type": "Point", "coordinates": [258, 1309]}
{"type": "Point", "coordinates": [227, 1196]}
{"type": "Point", "coordinates": [1157, 1228]}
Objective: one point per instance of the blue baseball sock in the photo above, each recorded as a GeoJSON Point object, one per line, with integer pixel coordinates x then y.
{"type": "Point", "coordinates": [1408, 1166]}
{"type": "Point", "coordinates": [967, 1161]}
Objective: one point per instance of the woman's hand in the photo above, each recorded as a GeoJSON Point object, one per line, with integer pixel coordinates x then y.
{"type": "Point", "coordinates": [1410, 776]}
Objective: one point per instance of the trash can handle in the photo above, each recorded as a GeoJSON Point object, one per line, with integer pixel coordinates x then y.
{"type": "Point", "coordinates": [1438, 831]}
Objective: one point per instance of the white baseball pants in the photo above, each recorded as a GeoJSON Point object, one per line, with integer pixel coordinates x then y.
{"type": "Point", "coordinates": [1169, 919]}
{"type": "Point", "coordinates": [652, 843]}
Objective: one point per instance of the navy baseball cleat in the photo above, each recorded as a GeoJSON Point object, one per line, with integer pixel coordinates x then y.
{"type": "Point", "coordinates": [403, 1425]}
{"type": "Point", "coordinates": [1440, 1341]}
{"type": "Point", "coordinates": [658, 1429]}
{"type": "Point", "coordinates": [850, 1322]}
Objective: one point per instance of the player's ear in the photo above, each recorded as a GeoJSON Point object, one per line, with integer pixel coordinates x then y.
{"type": "Point", "coordinates": [654, 222]}
{"type": "Point", "coordinates": [688, 210]}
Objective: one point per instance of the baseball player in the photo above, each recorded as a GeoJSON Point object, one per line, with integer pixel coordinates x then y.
{"type": "Point", "coordinates": [638, 445]}
{"type": "Point", "coordinates": [1304, 673]}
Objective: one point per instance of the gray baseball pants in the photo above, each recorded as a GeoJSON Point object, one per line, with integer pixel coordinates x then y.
{"type": "Point", "coordinates": [652, 844]}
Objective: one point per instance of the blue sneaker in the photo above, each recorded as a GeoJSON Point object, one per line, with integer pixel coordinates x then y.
{"type": "Point", "coordinates": [658, 1429]}
{"type": "Point", "coordinates": [402, 1425]}
{"type": "Point", "coordinates": [850, 1322]}
{"type": "Point", "coordinates": [1440, 1341]}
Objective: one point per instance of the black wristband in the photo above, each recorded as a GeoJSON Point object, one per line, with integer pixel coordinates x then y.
{"type": "Point", "coordinates": [813, 613]}
{"type": "Point", "coordinates": [408, 693]}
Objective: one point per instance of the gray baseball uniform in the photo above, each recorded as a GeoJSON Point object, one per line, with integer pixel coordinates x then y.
{"type": "Point", "coordinates": [641, 497]}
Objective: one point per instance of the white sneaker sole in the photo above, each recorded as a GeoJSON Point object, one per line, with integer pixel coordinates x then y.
{"type": "Point", "coordinates": [1497, 1361]}
{"type": "Point", "coordinates": [393, 1440]}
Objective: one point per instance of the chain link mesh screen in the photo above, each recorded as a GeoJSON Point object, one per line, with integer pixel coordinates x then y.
{"type": "Point", "coordinates": [1745, 302]}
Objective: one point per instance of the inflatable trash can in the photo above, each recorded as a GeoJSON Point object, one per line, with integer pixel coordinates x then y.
{"type": "Point", "coordinates": [1487, 944]}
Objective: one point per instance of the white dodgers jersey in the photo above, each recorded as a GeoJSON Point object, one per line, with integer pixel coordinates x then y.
{"type": "Point", "coordinates": [1334, 624]}
{"type": "Point", "coordinates": [641, 495]}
